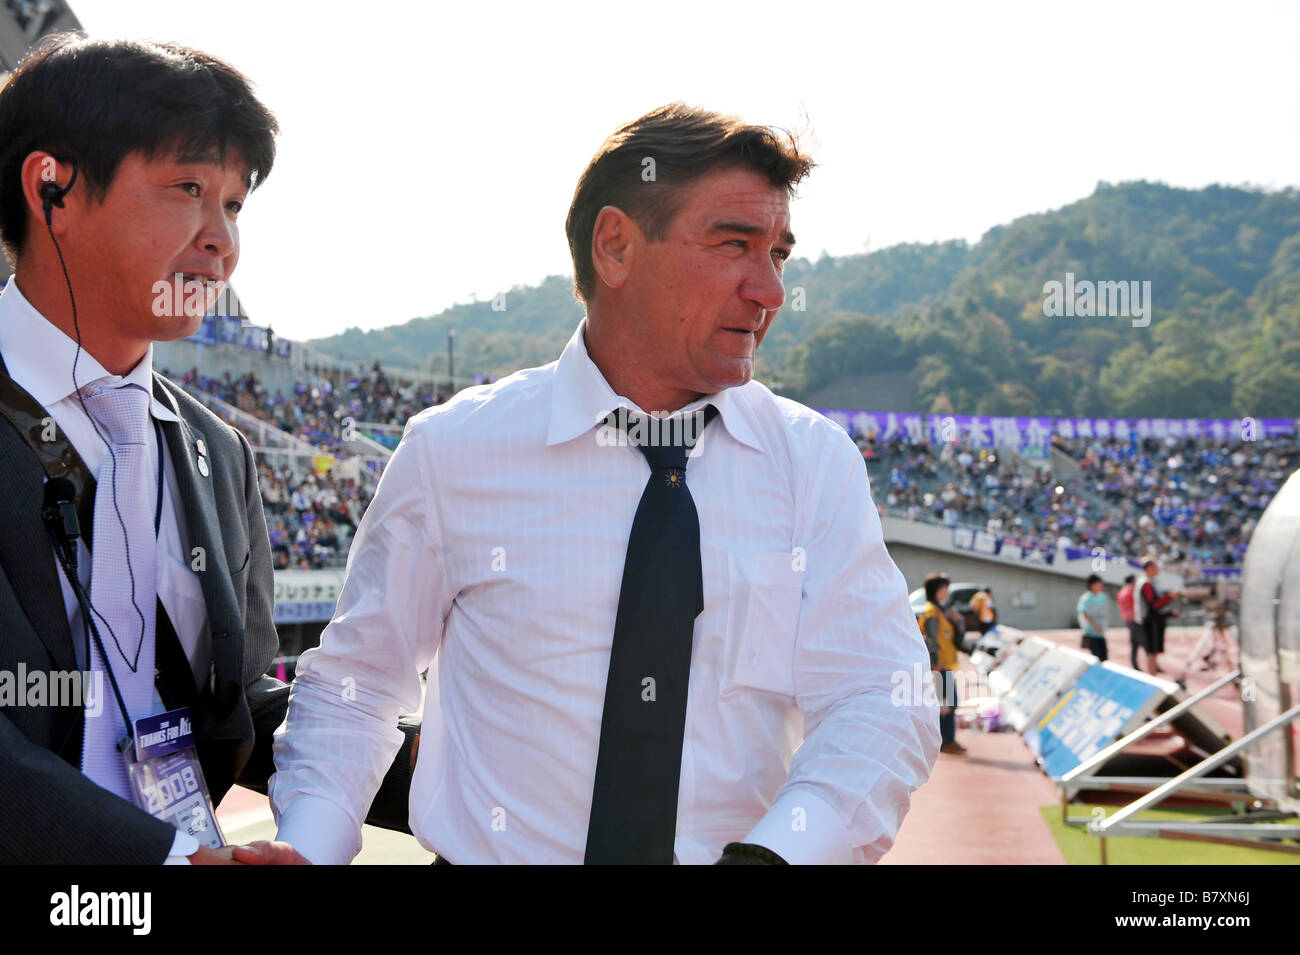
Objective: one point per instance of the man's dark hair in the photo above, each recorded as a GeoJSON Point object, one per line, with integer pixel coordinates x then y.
{"type": "Point", "coordinates": [933, 584]}
{"type": "Point", "coordinates": [685, 143]}
{"type": "Point", "coordinates": [97, 101]}
{"type": "Point", "coordinates": [1092, 579]}
{"type": "Point", "coordinates": [1129, 579]}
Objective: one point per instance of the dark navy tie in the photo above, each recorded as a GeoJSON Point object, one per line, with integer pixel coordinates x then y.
{"type": "Point", "coordinates": [638, 769]}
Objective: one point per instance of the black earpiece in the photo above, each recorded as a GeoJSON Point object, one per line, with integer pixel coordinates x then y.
{"type": "Point", "coordinates": [52, 195]}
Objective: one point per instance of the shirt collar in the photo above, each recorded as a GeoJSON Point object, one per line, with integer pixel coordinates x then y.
{"type": "Point", "coordinates": [39, 357]}
{"type": "Point", "coordinates": [581, 399]}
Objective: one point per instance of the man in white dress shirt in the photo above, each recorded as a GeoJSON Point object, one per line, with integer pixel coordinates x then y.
{"type": "Point", "coordinates": [498, 552]}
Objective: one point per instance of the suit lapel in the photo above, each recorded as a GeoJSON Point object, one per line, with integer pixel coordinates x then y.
{"type": "Point", "coordinates": [198, 502]}
{"type": "Point", "coordinates": [224, 719]}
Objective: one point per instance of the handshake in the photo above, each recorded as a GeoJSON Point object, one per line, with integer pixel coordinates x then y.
{"type": "Point", "coordinates": [255, 853]}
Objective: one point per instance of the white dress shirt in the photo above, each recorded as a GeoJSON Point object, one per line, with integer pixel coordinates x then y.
{"type": "Point", "coordinates": [39, 358]}
{"type": "Point", "coordinates": [494, 550]}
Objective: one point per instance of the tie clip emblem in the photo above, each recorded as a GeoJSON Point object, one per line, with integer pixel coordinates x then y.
{"type": "Point", "coordinates": [675, 478]}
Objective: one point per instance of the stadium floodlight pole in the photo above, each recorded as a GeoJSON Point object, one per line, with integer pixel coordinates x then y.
{"type": "Point", "coordinates": [451, 359]}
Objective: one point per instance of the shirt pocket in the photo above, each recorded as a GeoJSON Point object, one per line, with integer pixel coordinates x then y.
{"type": "Point", "coordinates": [767, 591]}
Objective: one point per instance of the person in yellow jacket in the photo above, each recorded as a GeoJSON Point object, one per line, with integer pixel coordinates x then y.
{"type": "Point", "coordinates": [941, 640]}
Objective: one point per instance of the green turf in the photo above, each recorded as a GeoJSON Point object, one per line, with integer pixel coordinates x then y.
{"type": "Point", "coordinates": [1082, 848]}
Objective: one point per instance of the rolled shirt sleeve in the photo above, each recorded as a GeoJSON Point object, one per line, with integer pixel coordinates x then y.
{"type": "Point", "coordinates": [340, 735]}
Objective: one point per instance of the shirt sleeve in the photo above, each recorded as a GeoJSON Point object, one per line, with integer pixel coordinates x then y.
{"type": "Point", "coordinates": [340, 735]}
{"type": "Point", "coordinates": [862, 672]}
{"type": "Point", "coordinates": [183, 846]}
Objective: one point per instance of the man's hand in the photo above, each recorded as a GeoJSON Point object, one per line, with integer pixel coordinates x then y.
{"type": "Point", "coordinates": [206, 856]}
{"type": "Point", "coordinates": [263, 852]}
{"type": "Point", "coordinates": [746, 853]}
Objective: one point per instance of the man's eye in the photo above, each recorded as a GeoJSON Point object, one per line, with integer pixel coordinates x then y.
{"type": "Point", "coordinates": [782, 254]}
{"type": "Point", "coordinates": [188, 186]}
{"type": "Point", "coordinates": [234, 205]}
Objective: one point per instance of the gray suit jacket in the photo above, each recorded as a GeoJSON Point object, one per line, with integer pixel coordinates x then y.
{"type": "Point", "coordinates": [51, 812]}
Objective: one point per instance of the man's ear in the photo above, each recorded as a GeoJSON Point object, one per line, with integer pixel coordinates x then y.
{"type": "Point", "coordinates": [40, 169]}
{"type": "Point", "coordinates": [615, 240]}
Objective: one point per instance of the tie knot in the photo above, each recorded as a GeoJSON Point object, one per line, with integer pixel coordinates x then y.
{"type": "Point", "coordinates": [665, 442]}
{"type": "Point", "coordinates": [122, 413]}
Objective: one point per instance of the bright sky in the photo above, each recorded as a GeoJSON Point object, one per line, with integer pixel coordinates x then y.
{"type": "Point", "coordinates": [429, 151]}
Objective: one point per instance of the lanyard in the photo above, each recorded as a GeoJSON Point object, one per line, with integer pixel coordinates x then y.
{"type": "Point", "coordinates": [87, 615]}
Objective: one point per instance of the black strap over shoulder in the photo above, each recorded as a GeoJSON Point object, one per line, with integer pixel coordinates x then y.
{"type": "Point", "coordinates": [51, 446]}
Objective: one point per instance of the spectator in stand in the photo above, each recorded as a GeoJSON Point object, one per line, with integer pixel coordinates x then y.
{"type": "Point", "coordinates": [1094, 613]}
{"type": "Point", "coordinates": [941, 640]}
{"type": "Point", "coordinates": [1151, 610]}
{"type": "Point", "coordinates": [981, 604]}
{"type": "Point", "coordinates": [1135, 636]}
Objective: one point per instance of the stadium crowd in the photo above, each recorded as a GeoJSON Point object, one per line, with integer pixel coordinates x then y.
{"type": "Point", "coordinates": [1192, 502]}
{"type": "Point", "coordinates": [310, 518]}
{"type": "Point", "coordinates": [316, 411]}
{"type": "Point", "coordinates": [312, 512]}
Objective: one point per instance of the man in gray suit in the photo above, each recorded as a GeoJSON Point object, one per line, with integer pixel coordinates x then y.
{"type": "Point", "coordinates": [123, 167]}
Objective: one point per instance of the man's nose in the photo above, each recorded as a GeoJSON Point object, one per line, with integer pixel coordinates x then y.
{"type": "Point", "coordinates": [764, 287]}
{"type": "Point", "coordinates": [220, 236]}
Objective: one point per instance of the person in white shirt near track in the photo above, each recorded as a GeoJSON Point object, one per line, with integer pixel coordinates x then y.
{"type": "Point", "coordinates": [630, 660]}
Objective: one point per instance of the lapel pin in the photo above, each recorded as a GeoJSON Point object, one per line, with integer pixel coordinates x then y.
{"type": "Point", "coordinates": [201, 447]}
{"type": "Point", "coordinates": [203, 466]}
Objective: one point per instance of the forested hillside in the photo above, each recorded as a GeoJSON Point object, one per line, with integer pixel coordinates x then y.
{"type": "Point", "coordinates": [968, 325]}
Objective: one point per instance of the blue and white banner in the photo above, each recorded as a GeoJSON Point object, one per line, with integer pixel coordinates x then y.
{"type": "Point", "coordinates": [1033, 436]}
{"type": "Point", "coordinates": [228, 330]}
{"type": "Point", "coordinates": [304, 596]}
{"type": "Point", "coordinates": [984, 542]}
{"type": "Point", "coordinates": [1100, 706]}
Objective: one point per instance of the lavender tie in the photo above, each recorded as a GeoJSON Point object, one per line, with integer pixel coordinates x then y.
{"type": "Point", "coordinates": [123, 577]}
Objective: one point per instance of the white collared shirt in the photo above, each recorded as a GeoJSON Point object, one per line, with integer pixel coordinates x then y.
{"type": "Point", "coordinates": [39, 358]}
{"type": "Point", "coordinates": [494, 550]}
